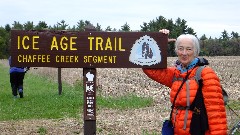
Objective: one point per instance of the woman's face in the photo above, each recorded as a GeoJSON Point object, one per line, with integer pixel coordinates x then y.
{"type": "Point", "coordinates": [185, 51]}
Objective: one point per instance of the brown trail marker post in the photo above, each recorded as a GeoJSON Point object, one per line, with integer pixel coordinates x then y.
{"type": "Point", "coordinates": [59, 81]}
{"type": "Point", "coordinates": [89, 103]}
{"type": "Point", "coordinates": [88, 50]}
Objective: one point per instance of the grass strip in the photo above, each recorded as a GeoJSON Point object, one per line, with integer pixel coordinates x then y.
{"type": "Point", "coordinates": [41, 99]}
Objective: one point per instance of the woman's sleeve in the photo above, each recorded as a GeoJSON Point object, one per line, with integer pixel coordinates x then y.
{"type": "Point", "coordinates": [214, 103]}
{"type": "Point", "coordinates": [163, 76]}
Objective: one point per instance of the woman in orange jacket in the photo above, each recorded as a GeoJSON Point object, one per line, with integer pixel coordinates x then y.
{"type": "Point", "coordinates": [187, 49]}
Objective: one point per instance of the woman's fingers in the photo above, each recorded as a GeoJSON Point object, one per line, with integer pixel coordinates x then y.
{"type": "Point", "coordinates": [165, 31]}
{"type": "Point", "coordinates": [171, 40]}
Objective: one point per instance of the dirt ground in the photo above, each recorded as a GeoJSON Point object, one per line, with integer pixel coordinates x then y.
{"type": "Point", "coordinates": [118, 82]}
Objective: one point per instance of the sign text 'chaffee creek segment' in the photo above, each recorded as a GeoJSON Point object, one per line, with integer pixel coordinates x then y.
{"type": "Point", "coordinates": [88, 49]}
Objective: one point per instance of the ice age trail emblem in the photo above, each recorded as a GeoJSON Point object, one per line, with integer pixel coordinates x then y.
{"type": "Point", "coordinates": [145, 51]}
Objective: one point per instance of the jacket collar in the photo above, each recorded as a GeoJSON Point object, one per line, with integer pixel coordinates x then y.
{"type": "Point", "coordinates": [190, 66]}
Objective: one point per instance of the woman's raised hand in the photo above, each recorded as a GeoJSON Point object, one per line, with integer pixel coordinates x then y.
{"type": "Point", "coordinates": [166, 31]}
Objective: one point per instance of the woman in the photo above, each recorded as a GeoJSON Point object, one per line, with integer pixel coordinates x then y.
{"type": "Point", "coordinates": [187, 49]}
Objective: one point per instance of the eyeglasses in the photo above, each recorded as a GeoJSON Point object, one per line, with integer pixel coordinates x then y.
{"type": "Point", "coordinates": [187, 49]}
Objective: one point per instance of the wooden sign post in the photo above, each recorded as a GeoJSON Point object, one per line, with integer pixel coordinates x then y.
{"type": "Point", "coordinates": [88, 50]}
{"type": "Point", "coordinates": [89, 103]}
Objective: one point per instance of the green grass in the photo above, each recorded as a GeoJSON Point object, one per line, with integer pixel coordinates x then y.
{"type": "Point", "coordinates": [145, 132]}
{"type": "Point", "coordinates": [42, 131]}
{"type": "Point", "coordinates": [234, 104]}
{"type": "Point", "coordinates": [41, 99]}
{"type": "Point", "coordinates": [126, 102]}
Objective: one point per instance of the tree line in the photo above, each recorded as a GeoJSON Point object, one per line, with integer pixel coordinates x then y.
{"type": "Point", "coordinates": [226, 45]}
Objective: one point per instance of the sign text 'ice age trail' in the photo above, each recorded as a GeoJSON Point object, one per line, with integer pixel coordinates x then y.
{"type": "Point", "coordinates": [88, 49]}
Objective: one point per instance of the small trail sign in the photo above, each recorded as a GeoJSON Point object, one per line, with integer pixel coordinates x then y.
{"type": "Point", "coordinates": [88, 49]}
{"type": "Point", "coordinates": [90, 93]}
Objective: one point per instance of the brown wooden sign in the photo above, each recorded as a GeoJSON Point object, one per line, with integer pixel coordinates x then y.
{"type": "Point", "coordinates": [88, 49]}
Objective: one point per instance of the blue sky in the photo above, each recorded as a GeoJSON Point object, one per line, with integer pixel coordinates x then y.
{"type": "Point", "coordinates": [210, 17]}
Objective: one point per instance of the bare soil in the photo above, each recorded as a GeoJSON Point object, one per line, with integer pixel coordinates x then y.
{"type": "Point", "coordinates": [119, 82]}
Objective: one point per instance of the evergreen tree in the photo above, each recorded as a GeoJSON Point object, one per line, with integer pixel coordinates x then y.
{"type": "Point", "coordinates": [80, 25]}
{"type": "Point", "coordinates": [17, 26]}
{"type": "Point", "coordinates": [28, 25]}
{"type": "Point", "coordinates": [225, 35]}
{"type": "Point", "coordinates": [4, 43]}
{"type": "Point", "coordinates": [98, 27]}
{"type": "Point", "coordinates": [8, 28]}
{"type": "Point", "coordinates": [62, 25]}
{"type": "Point", "coordinates": [235, 35]}
{"type": "Point", "coordinates": [125, 27]}
{"type": "Point", "coordinates": [41, 25]}
{"type": "Point", "coordinates": [145, 27]}
{"type": "Point", "coordinates": [108, 28]}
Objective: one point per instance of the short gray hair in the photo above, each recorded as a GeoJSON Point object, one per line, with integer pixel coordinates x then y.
{"type": "Point", "coordinates": [194, 39]}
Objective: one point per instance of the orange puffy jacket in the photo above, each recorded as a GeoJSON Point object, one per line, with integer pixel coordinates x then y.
{"type": "Point", "coordinates": [212, 94]}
